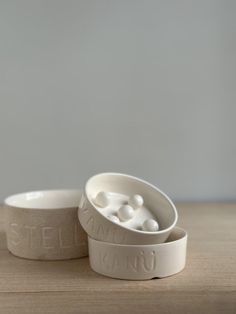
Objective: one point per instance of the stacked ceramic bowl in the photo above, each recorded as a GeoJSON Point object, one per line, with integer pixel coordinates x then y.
{"type": "Point", "coordinates": [131, 228]}
{"type": "Point", "coordinates": [43, 225]}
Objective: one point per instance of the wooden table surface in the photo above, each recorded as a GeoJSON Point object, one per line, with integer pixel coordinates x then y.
{"type": "Point", "coordinates": [206, 285]}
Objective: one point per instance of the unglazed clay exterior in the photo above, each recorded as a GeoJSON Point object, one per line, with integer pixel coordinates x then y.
{"type": "Point", "coordinates": [44, 225]}
{"type": "Point", "coordinates": [100, 227]}
{"type": "Point", "coordinates": [139, 262]}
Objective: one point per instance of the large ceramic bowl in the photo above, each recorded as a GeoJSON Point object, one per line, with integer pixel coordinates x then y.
{"type": "Point", "coordinates": [44, 225]}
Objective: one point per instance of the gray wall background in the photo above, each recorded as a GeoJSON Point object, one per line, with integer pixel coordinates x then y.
{"type": "Point", "coordinates": [141, 87]}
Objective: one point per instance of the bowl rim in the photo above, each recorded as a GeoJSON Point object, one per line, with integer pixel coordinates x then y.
{"type": "Point", "coordinates": [182, 238]}
{"type": "Point", "coordinates": [8, 200]}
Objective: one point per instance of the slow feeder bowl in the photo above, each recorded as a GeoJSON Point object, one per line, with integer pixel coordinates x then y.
{"type": "Point", "coordinates": [95, 219]}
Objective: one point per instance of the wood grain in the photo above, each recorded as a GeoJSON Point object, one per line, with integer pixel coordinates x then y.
{"type": "Point", "coordinates": [207, 284]}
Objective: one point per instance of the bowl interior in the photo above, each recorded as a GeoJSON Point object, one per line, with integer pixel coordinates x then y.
{"type": "Point", "coordinates": [45, 199]}
{"type": "Point", "coordinates": [155, 200]}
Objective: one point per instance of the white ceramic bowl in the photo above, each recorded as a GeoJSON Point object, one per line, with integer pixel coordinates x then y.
{"type": "Point", "coordinates": [139, 262]}
{"type": "Point", "coordinates": [44, 225]}
{"type": "Point", "coordinates": [99, 227]}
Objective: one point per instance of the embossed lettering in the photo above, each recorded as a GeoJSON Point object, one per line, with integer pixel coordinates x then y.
{"type": "Point", "coordinates": [109, 262]}
{"type": "Point", "coordinates": [148, 262]}
{"type": "Point", "coordinates": [102, 232]}
{"type": "Point", "coordinates": [132, 263]}
{"type": "Point", "coordinates": [90, 221]}
{"type": "Point", "coordinates": [14, 233]}
{"type": "Point", "coordinates": [46, 237]}
{"type": "Point", "coordinates": [30, 235]}
{"type": "Point", "coordinates": [141, 262]}
{"type": "Point", "coordinates": [62, 244]}
{"type": "Point", "coordinates": [114, 234]}
{"type": "Point", "coordinates": [118, 236]}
